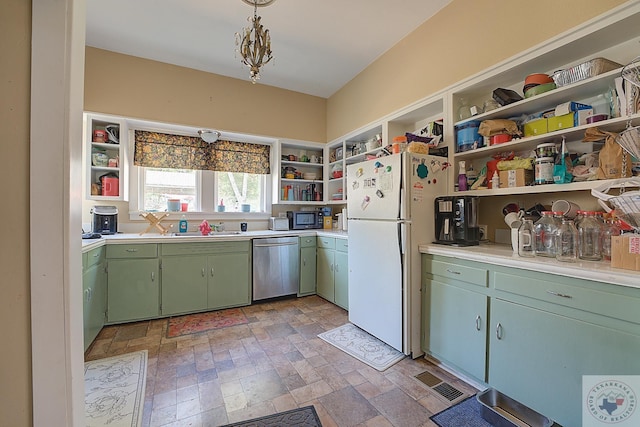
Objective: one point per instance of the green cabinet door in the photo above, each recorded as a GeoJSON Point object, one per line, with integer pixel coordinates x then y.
{"type": "Point", "coordinates": [341, 279]}
{"type": "Point", "coordinates": [94, 283]}
{"type": "Point", "coordinates": [229, 283]}
{"type": "Point", "coordinates": [307, 270]}
{"type": "Point", "coordinates": [325, 277]}
{"type": "Point", "coordinates": [548, 354]}
{"type": "Point", "coordinates": [454, 320]}
{"type": "Point", "coordinates": [184, 284]}
{"type": "Point", "coordinates": [133, 289]}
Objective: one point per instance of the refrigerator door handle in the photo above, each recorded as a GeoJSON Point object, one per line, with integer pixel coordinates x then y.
{"type": "Point", "coordinates": [402, 236]}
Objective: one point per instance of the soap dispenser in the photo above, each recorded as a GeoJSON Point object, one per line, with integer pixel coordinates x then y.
{"type": "Point", "coordinates": [183, 226]}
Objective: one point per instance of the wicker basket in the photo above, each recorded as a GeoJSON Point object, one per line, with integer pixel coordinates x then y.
{"type": "Point", "coordinates": [584, 71]}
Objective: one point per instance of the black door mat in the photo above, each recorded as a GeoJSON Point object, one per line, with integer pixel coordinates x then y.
{"type": "Point", "coordinates": [300, 417]}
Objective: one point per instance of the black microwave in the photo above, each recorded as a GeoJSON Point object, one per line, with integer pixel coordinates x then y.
{"type": "Point", "coordinates": [303, 220]}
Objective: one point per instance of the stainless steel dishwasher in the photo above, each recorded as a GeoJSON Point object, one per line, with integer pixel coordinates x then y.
{"type": "Point", "coordinates": [276, 267]}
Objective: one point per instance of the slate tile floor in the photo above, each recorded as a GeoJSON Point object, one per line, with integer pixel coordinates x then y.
{"type": "Point", "coordinates": [274, 363]}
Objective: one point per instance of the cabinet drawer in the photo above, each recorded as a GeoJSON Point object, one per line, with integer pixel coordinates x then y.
{"type": "Point", "coordinates": [95, 256]}
{"type": "Point", "coordinates": [551, 289]}
{"type": "Point", "coordinates": [342, 245]}
{"type": "Point", "coordinates": [204, 248]}
{"type": "Point", "coordinates": [327, 242]}
{"type": "Point", "coordinates": [475, 276]}
{"type": "Point", "coordinates": [307, 241]}
{"type": "Point", "coordinates": [147, 250]}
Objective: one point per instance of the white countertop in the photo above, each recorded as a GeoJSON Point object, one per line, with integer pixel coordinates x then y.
{"type": "Point", "coordinates": [128, 238]}
{"type": "Point", "coordinates": [497, 254]}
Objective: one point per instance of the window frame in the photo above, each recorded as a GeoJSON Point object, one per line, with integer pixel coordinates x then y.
{"type": "Point", "coordinates": [206, 188]}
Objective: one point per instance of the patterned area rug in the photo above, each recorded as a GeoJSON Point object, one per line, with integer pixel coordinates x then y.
{"type": "Point", "coordinates": [464, 414]}
{"type": "Point", "coordinates": [364, 347]}
{"type": "Point", "coordinates": [300, 417]}
{"type": "Point", "coordinates": [192, 323]}
{"type": "Point", "coordinates": [114, 390]}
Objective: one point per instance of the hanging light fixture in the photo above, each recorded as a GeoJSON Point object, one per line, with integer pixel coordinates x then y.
{"type": "Point", "coordinates": [254, 42]}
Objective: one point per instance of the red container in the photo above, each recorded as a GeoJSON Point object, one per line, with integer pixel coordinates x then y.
{"type": "Point", "coordinates": [500, 138]}
{"type": "Point", "coordinates": [110, 186]}
{"type": "Point", "coordinates": [99, 135]}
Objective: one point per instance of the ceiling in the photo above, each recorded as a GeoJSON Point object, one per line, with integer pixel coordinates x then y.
{"type": "Point", "coordinates": [318, 46]}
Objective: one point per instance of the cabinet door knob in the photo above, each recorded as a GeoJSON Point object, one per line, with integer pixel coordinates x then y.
{"type": "Point", "coordinates": [132, 250]}
{"type": "Point", "coordinates": [211, 271]}
{"type": "Point", "coordinates": [153, 276]}
{"type": "Point", "coordinates": [331, 267]}
{"type": "Point", "coordinates": [203, 273]}
{"type": "Point", "coordinates": [478, 322]}
{"type": "Point", "coordinates": [499, 331]}
{"type": "Point", "coordinates": [452, 271]}
{"type": "Point", "coordinates": [304, 262]}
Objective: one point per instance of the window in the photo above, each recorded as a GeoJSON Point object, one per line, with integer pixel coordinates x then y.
{"type": "Point", "coordinates": [203, 190]}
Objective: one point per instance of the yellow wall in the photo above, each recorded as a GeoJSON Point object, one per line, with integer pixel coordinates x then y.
{"type": "Point", "coordinates": [461, 40]}
{"type": "Point", "coordinates": [15, 351]}
{"type": "Point", "coordinates": [140, 88]}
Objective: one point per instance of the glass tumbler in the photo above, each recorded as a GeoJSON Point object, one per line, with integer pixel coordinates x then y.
{"type": "Point", "coordinates": [526, 239]}
{"type": "Point", "coordinates": [567, 241]}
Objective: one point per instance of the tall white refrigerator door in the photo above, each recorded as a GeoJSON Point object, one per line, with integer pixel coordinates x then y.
{"type": "Point", "coordinates": [373, 188]}
{"type": "Point", "coordinates": [375, 279]}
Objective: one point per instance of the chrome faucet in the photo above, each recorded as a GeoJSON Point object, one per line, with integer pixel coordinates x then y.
{"type": "Point", "coordinates": [218, 228]}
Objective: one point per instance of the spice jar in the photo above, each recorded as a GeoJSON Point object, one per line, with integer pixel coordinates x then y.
{"type": "Point", "coordinates": [589, 246]}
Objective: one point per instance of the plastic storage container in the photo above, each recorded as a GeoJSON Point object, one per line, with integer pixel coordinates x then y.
{"type": "Point", "coordinates": [467, 136]}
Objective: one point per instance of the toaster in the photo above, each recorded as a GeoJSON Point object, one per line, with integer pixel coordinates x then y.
{"type": "Point", "coordinates": [278, 223]}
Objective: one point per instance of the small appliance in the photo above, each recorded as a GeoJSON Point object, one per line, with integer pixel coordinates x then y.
{"type": "Point", "coordinates": [105, 219]}
{"type": "Point", "coordinates": [456, 220]}
{"type": "Point", "coordinates": [304, 220]}
{"type": "Point", "coordinates": [278, 223]}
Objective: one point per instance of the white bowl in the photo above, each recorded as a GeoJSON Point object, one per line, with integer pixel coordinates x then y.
{"type": "Point", "coordinates": [309, 176]}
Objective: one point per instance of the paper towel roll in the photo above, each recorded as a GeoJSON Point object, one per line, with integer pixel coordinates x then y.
{"type": "Point", "coordinates": [344, 219]}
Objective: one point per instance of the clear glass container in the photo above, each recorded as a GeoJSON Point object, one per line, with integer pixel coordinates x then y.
{"type": "Point", "coordinates": [526, 239]}
{"type": "Point", "coordinates": [464, 111]}
{"type": "Point", "coordinates": [567, 241]}
{"type": "Point", "coordinates": [589, 239]}
{"type": "Point", "coordinates": [611, 228]}
{"type": "Point", "coordinates": [545, 230]}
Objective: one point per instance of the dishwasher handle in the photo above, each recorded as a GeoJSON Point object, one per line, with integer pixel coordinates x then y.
{"type": "Point", "coordinates": [270, 245]}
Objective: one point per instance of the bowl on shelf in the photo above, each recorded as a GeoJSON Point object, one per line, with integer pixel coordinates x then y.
{"type": "Point", "coordinates": [539, 89]}
{"type": "Point", "coordinates": [336, 174]}
{"type": "Point", "coordinates": [308, 175]}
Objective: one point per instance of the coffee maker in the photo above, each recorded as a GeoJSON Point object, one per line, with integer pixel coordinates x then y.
{"type": "Point", "coordinates": [105, 219]}
{"type": "Point", "coordinates": [456, 220]}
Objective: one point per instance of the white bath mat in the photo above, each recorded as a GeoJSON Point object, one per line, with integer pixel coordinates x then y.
{"type": "Point", "coordinates": [114, 390]}
{"type": "Point", "coordinates": [364, 347]}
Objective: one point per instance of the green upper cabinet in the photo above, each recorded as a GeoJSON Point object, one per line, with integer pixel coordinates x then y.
{"type": "Point", "coordinates": [307, 265]}
{"type": "Point", "coordinates": [184, 284]}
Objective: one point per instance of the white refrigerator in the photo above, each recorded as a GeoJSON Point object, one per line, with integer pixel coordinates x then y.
{"type": "Point", "coordinates": [390, 209]}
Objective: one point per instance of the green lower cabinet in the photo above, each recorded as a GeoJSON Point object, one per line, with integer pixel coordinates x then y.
{"type": "Point", "coordinates": [454, 320]}
{"type": "Point", "coordinates": [229, 282]}
{"type": "Point", "coordinates": [184, 284]}
{"type": "Point", "coordinates": [325, 280]}
{"type": "Point", "coordinates": [341, 279]}
{"type": "Point", "coordinates": [539, 358]}
{"type": "Point", "coordinates": [94, 303]}
{"type": "Point", "coordinates": [133, 289]}
{"type": "Point", "coordinates": [308, 266]}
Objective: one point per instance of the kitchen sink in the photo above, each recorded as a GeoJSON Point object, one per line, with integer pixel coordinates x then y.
{"type": "Point", "coordinates": [212, 234]}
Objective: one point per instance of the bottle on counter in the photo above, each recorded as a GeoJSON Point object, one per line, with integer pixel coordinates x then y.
{"type": "Point", "coordinates": [183, 225]}
{"type": "Point", "coordinates": [611, 228]}
{"type": "Point", "coordinates": [589, 237]}
{"type": "Point", "coordinates": [462, 177]}
{"type": "Point", "coordinates": [545, 230]}
{"type": "Point", "coordinates": [567, 241]}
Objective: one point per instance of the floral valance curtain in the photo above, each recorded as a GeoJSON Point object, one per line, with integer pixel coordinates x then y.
{"type": "Point", "coordinates": [161, 150]}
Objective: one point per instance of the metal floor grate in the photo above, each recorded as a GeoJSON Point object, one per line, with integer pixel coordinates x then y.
{"type": "Point", "coordinates": [428, 378]}
{"type": "Point", "coordinates": [448, 391]}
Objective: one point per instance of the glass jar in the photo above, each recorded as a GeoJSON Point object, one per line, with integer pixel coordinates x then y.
{"type": "Point", "coordinates": [567, 241]}
{"type": "Point", "coordinates": [611, 228]}
{"type": "Point", "coordinates": [464, 111]}
{"type": "Point", "coordinates": [545, 230]}
{"type": "Point", "coordinates": [526, 239]}
{"type": "Point", "coordinates": [589, 239]}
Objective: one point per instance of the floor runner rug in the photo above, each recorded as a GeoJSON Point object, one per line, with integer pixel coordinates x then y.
{"type": "Point", "coordinates": [201, 322]}
{"type": "Point", "coordinates": [364, 347]}
{"type": "Point", "coordinates": [300, 417]}
{"type": "Point", "coordinates": [463, 414]}
{"type": "Point", "coordinates": [114, 390]}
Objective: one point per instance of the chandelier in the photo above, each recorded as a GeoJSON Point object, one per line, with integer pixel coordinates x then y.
{"type": "Point", "coordinates": [254, 42]}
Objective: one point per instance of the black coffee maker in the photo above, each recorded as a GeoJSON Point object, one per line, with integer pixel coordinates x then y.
{"type": "Point", "coordinates": [456, 220]}
{"type": "Point", "coordinates": [105, 219]}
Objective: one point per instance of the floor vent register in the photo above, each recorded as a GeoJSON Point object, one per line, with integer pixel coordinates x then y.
{"type": "Point", "coordinates": [444, 389]}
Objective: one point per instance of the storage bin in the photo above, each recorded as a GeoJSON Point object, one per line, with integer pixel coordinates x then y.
{"type": "Point", "coordinates": [516, 178]}
{"type": "Point", "coordinates": [467, 136]}
{"type": "Point", "coordinates": [502, 411]}
{"type": "Point", "coordinates": [536, 127]}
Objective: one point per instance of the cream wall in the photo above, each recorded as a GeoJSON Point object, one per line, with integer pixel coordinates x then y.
{"type": "Point", "coordinates": [461, 40]}
{"type": "Point", "coordinates": [15, 352]}
{"type": "Point", "coordinates": [140, 88]}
